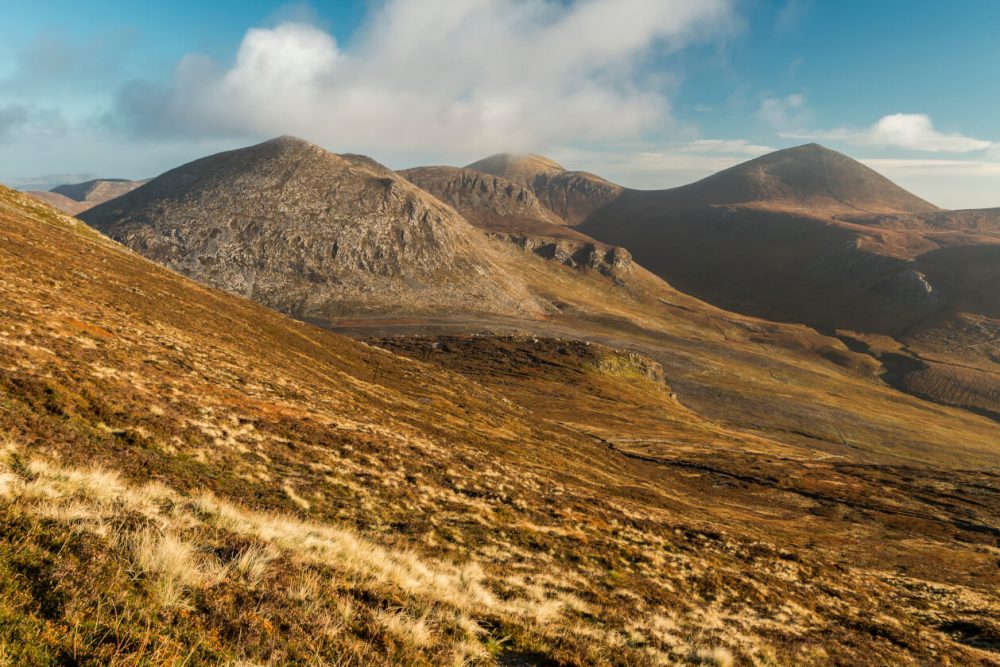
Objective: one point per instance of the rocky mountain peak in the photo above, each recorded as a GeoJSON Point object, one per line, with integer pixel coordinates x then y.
{"type": "Point", "coordinates": [312, 233]}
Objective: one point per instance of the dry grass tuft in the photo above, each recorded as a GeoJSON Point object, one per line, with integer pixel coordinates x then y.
{"type": "Point", "coordinates": [252, 562]}
{"type": "Point", "coordinates": [717, 656]}
{"type": "Point", "coordinates": [410, 632]}
{"type": "Point", "coordinates": [173, 562]}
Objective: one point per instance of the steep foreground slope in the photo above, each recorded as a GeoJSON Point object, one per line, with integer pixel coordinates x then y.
{"type": "Point", "coordinates": [313, 234]}
{"type": "Point", "coordinates": [190, 478]}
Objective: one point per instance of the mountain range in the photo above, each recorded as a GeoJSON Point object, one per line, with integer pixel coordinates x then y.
{"type": "Point", "coordinates": [803, 235]}
{"type": "Point", "coordinates": [752, 420]}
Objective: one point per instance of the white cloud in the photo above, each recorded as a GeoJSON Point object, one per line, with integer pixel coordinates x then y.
{"type": "Point", "coordinates": [478, 75]}
{"type": "Point", "coordinates": [784, 112]}
{"type": "Point", "coordinates": [913, 132]}
{"type": "Point", "coordinates": [952, 184]}
{"type": "Point", "coordinates": [731, 146]}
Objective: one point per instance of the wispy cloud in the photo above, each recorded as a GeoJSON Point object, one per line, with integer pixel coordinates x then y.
{"type": "Point", "coordinates": [966, 183]}
{"type": "Point", "coordinates": [665, 166]}
{"type": "Point", "coordinates": [914, 132]}
{"type": "Point", "coordinates": [791, 15]}
{"type": "Point", "coordinates": [11, 117]}
{"type": "Point", "coordinates": [56, 60]}
{"type": "Point", "coordinates": [480, 75]}
{"type": "Point", "coordinates": [730, 146]}
{"type": "Point", "coordinates": [784, 112]}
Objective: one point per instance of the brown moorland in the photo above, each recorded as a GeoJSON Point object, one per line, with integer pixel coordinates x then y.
{"type": "Point", "coordinates": [189, 477]}
{"type": "Point", "coordinates": [261, 221]}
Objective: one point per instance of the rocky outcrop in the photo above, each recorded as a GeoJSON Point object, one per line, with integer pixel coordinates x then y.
{"type": "Point", "coordinates": [909, 287]}
{"type": "Point", "coordinates": [609, 260]}
{"type": "Point", "coordinates": [297, 228]}
{"type": "Point", "coordinates": [574, 195]}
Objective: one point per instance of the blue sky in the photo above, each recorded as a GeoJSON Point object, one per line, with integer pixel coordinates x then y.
{"type": "Point", "coordinates": [650, 93]}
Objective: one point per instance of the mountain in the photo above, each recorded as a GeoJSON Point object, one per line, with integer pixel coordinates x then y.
{"type": "Point", "coordinates": [486, 200]}
{"type": "Point", "coordinates": [808, 176]}
{"type": "Point", "coordinates": [571, 195]}
{"type": "Point", "coordinates": [314, 234]}
{"type": "Point", "coordinates": [519, 168]}
{"type": "Point", "coordinates": [510, 211]}
{"type": "Point", "coordinates": [240, 486]}
{"type": "Point", "coordinates": [779, 237]}
{"type": "Point", "coordinates": [809, 235]}
{"type": "Point", "coordinates": [75, 198]}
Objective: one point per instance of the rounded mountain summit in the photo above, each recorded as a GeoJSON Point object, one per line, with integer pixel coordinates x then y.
{"type": "Point", "coordinates": [314, 234]}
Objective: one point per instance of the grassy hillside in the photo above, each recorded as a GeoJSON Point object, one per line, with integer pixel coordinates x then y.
{"type": "Point", "coordinates": [189, 478]}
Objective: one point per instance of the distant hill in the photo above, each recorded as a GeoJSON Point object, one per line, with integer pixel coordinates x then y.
{"type": "Point", "coordinates": [98, 190]}
{"type": "Point", "coordinates": [75, 198]}
{"type": "Point", "coordinates": [61, 203]}
{"type": "Point", "coordinates": [48, 181]}
{"type": "Point", "coordinates": [519, 168]}
{"type": "Point", "coordinates": [805, 176]}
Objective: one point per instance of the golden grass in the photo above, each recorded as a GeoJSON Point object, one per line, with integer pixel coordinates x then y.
{"type": "Point", "coordinates": [511, 500]}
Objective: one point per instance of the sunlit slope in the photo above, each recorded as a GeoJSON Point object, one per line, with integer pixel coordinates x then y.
{"type": "Point", "coordinates": [236, 485]}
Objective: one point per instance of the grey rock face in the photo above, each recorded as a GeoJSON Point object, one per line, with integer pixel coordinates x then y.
{"type": "Point", "coordinates": [510, 211]}
{"type": "Point", "coordinates": [608, 260]}
{"type": "Point", "coordinates": [466, 189]}
{"type": "Point", "coordinates": [571, 195]}
{"type": "Point", "coordinates": [295, 227]}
